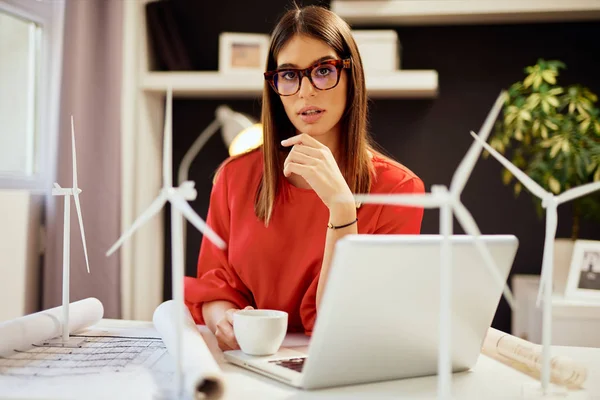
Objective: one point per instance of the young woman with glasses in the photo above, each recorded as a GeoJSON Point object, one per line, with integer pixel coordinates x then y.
{"type": "Point", "coordinates": [281, 208]}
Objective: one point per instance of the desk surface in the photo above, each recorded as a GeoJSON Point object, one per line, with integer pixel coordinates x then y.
{"type": "Point", "coordinates": [489, 379]}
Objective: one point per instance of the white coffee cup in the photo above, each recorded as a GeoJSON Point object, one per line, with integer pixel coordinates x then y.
{"type": "Point", "coordinates": [260, 332]}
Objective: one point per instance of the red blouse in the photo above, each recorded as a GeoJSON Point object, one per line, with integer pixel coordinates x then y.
{"type": "Point", "coordinates": [277, 267]}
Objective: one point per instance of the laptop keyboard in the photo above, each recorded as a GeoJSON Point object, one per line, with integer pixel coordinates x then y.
{"type": "Point", "coordinates": [295, 364]}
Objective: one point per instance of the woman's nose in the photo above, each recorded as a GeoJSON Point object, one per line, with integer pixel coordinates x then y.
{"type": "Point", "coordinates": [306, 88]}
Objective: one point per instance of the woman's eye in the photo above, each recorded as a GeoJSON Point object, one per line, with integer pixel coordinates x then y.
{"type": "Point", "coordinates": [323, 71]}
{"type": "Point", "coordinates": [288, 75]}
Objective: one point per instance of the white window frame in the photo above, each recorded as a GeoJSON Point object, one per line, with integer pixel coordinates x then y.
{"type": "Point", "coordinates": [49, 15]}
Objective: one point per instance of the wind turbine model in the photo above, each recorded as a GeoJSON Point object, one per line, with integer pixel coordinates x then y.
{"type": "Point", "coordinates": [449, 204]}
{"type": "Point", "coordinates": [66, 192]}
{"type": "Point", "coordinates": [550, 202]}
{"type": "Point", "coordinates": [178, 197]}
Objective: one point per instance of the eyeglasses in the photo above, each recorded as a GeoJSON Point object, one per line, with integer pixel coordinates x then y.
{"type": "Point", "coordinates": [323, 76]}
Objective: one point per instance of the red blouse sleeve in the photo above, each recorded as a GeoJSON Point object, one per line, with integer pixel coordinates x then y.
{"type": "Point", "coordinates": [216, 279]}
{"type": "Point", "coordinates": [400, 219]}
{"type": "Point", "coordinates": [308, 307]}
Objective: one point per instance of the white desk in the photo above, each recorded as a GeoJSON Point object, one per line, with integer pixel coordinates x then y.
{"type": "Point", "coordinates": [488, 380]}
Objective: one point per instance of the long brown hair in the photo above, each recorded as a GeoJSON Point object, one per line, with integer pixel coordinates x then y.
{"type": "Point", "coordinates": [354, 160]}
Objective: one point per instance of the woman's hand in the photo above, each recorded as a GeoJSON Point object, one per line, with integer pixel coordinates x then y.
{"type": "Point", "coordinates": [224, 331]}
{"type": "Point", "coordinates": [314, 162]}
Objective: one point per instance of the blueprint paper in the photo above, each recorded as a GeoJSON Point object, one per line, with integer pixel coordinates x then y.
{"type": "Point", "coordinates": [22, 333]}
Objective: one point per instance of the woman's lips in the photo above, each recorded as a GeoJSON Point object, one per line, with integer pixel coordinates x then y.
{"type": "Point", "coordinates": [310, 117]}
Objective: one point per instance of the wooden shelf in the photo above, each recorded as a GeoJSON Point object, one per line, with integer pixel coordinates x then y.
{"type": "Point", "coordinates": [429, 12]}
{"type": "Point", "coordinates": [397, 84]}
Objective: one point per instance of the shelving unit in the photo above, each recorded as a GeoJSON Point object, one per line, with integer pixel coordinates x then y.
{"type": "Point", "coordinates": [398, 84]}
{"type": "Point", "coordinates": [440, 12]}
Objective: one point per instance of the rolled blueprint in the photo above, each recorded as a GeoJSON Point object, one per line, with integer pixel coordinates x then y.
{"type": "Point", "coordinates": [527, 357]}
{"type": "Point", "coordinates": [23, 332]}
{"type": "Point", "coordinates": [202, 375]}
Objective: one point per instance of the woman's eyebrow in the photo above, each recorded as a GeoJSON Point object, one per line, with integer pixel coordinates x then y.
{"type": "Point", "coordinates": [290, 65]}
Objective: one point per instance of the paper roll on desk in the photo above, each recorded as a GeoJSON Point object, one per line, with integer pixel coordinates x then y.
{"type": "Point", "coordinates": [202, 375]}
{"type": "Point", "coordinates": [21, 333]}
{"type": "Point", "coordinates": [527, 357]}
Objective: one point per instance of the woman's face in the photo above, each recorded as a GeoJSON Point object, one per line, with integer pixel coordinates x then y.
{"type": "Point", "coordinates": [312, 111]}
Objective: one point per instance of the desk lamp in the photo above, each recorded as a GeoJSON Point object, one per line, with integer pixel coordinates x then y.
{"type": "Point", "coordinates": [239, 132]}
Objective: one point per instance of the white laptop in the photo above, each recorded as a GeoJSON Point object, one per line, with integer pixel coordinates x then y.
{"type": "Point", "coordinates": [379, 314]}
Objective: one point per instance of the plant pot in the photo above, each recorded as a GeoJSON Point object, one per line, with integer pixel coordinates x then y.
{"type": "Point", "coordinates": [563, 251]}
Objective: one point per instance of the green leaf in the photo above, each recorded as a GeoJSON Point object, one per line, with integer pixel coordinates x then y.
{"type": "Point", "coordinates": [518, 188]}
{"type": "Point", "coordinates": [518, 134]}
{"type": "Point", "coordinates": [554, 185]}
{"type": "Point", "coordinates": [585, 125]}
{"type": "Point", "coordinates": [506, 176]}
{"type": "Point", "coordinates": [555, 149]}
{"type": "Point", "coordinates": [525, 115]}
{"type": "Point", "coordinates": [553, 101]}
{"type": "Point", "coordinates": [549, 76]}
{"type": "Point", "coordinates": [551, 124]}
{"type": "Point", "coordinates": [528, 81]}
{"type": "Point", "coordinates": [546, 107]}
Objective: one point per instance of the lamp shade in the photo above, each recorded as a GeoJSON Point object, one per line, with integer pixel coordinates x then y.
{"type": "Point", "coordinates": [240, 132]}
{"type": "Point", "coordinates": [248, 139]}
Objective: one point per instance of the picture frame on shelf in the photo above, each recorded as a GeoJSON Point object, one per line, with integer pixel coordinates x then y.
{"type": "Point", "coordinates": [584, 274]}
{"type": "Point", "coordinates": [243, 52]}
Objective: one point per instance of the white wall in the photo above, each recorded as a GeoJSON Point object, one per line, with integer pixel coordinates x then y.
{"type": "Point", "coordinates": [16, 124]}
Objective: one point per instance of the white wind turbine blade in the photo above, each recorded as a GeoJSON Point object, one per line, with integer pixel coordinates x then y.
{"type": "Point", "coordinates": [76, 196]}
{"type": "Point", "coordinates": [463, 172]}
{"type": "Point", "coordinates": [468, 223]}
{"type": "Point", "coordinates": [152, 210]}
{"type": "Point", "coordinates": [529, 183]}
{"type": "Point", "coordinates": [548, 257]}
{"type": "Point", "coordinates": [576, 192]}
{"type": "Point", "coordinates": [416, 200]}
{"type": "Point", "coordinates": [168, 141]}
{"type": "Point", "coordinates": [182, 205]}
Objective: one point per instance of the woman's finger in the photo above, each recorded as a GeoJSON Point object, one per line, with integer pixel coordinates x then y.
{"type": "Point", "coordinates": [222, 344]}
{"type": "Point", "coordinates": [229, 315]}
{"type": "Point", "coordinates": [319, 153]}
{"type": "Point", "coordinates": [303, 138]}
{"type": "Point", "coordinates": [304, 171]}
{"type": "Point", "coordinates": [301, 158]}
{"type": "Point", "coordinates": [227, 335]}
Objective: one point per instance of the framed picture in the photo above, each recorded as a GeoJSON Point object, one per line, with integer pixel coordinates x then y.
{"type": "Point", "coordinates": [584, 273]}
{"type": "Point", "coordinates": [243, 52]}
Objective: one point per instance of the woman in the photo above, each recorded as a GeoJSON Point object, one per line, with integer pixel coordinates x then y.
{"type": "Point", "coordinates": [281, 208]}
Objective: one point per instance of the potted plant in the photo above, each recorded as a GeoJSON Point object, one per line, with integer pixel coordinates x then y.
{"type": "Point", "coordinates": [553, 134]}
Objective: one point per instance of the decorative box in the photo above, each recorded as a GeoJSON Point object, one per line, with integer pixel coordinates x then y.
{"type": "Point", "coordinates": [379, 49]}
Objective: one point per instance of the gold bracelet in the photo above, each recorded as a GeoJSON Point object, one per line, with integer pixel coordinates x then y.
{"type": "Point", "coordinates": [331, 226]}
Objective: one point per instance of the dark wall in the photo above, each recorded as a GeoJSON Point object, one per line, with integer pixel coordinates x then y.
{"type": "Point", "coordinates": [429, 136]}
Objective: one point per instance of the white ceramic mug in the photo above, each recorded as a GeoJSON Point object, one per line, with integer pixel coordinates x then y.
{"type": "Point", "coordinates": [260, 332]}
